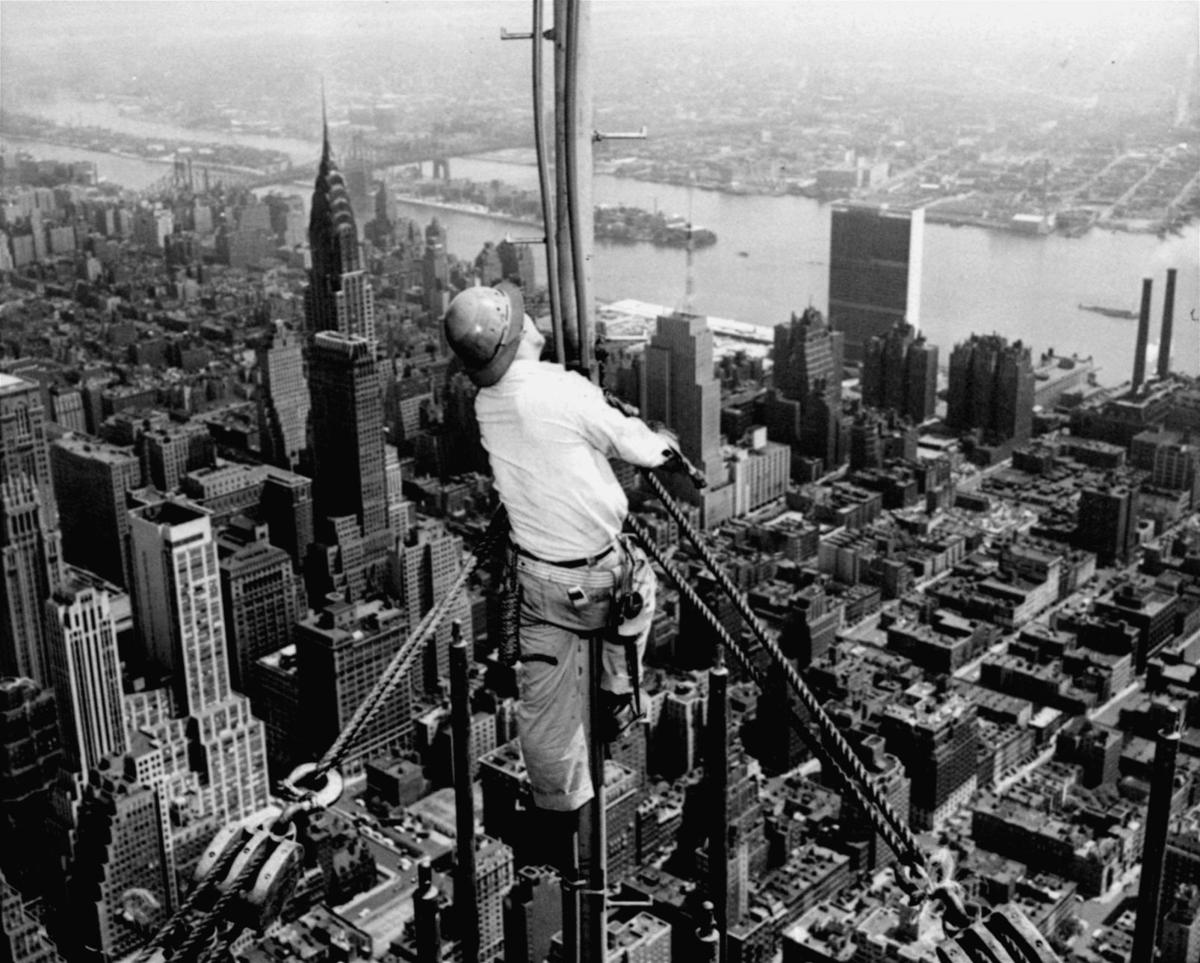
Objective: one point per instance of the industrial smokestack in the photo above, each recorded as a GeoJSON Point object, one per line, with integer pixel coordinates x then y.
{"type": "Point", "coordinates": [1158, 818]}
{"type": "Point", "coordinates": [1164, 344]}
{"type": "Point", "coordinates": [1143, 336]}
{"type": "Point", "coordinates": [466, 895]}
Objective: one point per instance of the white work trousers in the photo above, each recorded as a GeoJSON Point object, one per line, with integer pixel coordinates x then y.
{"type": "Point", "coordinates": [552, 674]}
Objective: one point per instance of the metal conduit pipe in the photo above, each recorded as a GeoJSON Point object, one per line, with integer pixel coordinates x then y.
{"type": "Point", "coordinates": [578, 104]}
{"type": "Point", "coordinates": [562, 221]}
{"type": "Point", "coordinates": [543, 169]}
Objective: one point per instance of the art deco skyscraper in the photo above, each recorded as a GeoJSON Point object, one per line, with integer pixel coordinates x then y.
{"type": "Point", "coordinates": [874, 271]}
{"type": "Point", "coordinates": [182, 625]}
{"type": "Point", "coordinates": [30, 553]}
{"type": "Point", "coordinates": [339, 295]}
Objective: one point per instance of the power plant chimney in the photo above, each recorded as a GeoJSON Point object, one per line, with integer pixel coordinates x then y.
{"type": "Point", "coordinates": [1143, 336]}
{"type": "Point", "coordinates": [1164, 346]}
{"type": "Point", "coordinates": [1158, 818]}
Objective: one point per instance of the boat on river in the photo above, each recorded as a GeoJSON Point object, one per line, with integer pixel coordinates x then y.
{"type": "Point", "coordinates": [1109, 312]}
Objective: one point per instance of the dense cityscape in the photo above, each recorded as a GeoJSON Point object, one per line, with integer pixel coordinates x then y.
{"type": "Point", "coordinates": [241, 471]}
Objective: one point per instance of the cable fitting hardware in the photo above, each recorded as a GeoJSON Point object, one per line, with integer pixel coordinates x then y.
{"type": "Point", "coordinates": [598, 135]}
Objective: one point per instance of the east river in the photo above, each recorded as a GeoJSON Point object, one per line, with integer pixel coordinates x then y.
{"type": "Point", "coordinates": [771, 259]}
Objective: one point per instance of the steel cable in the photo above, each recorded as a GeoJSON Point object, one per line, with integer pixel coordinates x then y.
{"type": "Point", "coordinates": [839, 752]}
{"type": "Point", "coordinates": [904, 846]}
{"type": "Point", "coordinates": [397, 668]}
{"type": "Point", "coordinates": [194, 943]}
{"type": "Point", "coordinates": [189, 904]}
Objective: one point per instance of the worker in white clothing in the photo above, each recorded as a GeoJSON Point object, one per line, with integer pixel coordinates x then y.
{"type": "Point", "coordinates": [548, 433]}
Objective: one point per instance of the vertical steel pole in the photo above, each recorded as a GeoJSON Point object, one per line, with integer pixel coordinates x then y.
{"type": "Point", "coordinates": [425, 915]}
{"type": "Point", "coordinates": [1158, 818]}
{"type": "Point", "coordinates": [595, 949]}
{"type": "Point", "coordinates": [708, 939]}
{"type": "Point", "coordinates": [717, 768]}
{"type": "Point", "coordinates": [570, 900]}
{"type": "Point", "coordinates": [466, 894]}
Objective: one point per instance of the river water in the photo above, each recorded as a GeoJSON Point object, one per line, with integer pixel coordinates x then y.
{"type": "Point", "coordinates": [772, 252]}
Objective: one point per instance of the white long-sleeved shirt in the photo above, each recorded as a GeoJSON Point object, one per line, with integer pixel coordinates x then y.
{"type": "Point", "coordinates": [548, 433]}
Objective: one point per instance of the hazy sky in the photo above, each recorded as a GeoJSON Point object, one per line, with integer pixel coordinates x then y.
{"type": "Point", "coordinates": [229, 50]}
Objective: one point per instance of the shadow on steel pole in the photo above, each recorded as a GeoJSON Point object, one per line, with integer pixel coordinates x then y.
{"type": "Point", "coordinates": [717, 769]}
{"type": "Point", "coordinates": [466, 894]}
{"type": "Point", "coordinates": [593, 833]}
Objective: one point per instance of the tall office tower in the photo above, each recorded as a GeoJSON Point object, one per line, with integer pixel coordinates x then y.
{"type": "Point", "coordinates": [30, 546]}
{"type": "Point", "coordinates": [118, 879]}
{"type": "Point", "coordinates": [874, 271]}
{"type": "Point", "coordinates": [23, 938]}
{"type": "Point", "coordinates": [339, 296]}
{"type": "Point", "coordinates": [339, 655]}
{"type": "Point", "coordinates": [435, 269]}
{"type": "Point", "coordinates": [899, 372]}
{"type": "Point", "coordinates": [938, 737]}
{"type": "Point", "coordinates": [808, 373]}
{"type": "Point", "coordinates": [682, 391]}
{"type": "Point", "coordinates": [347, 437]}
{"type": "Point", "coordinates": [532, 914]}
{"type": "Point", "coordinates": [85, 671]}
{"type": "Point", "coordinates": [516, 263]}
{"type": "Point", "coordinates": [182, 626]}
{"type": "Point", "coordinates": [286, 506]}
{"type": "Point", "coordinates": [283, 398]}
{"type": "Point", "coordinates": [991, 389]}
{"type": "Point", "coordinates": [680, 732]}
{"type": "Point", "coordinates": [493, 878]}
{"type": "Point", "coordinates": [428, 561]}
{"type": "Point", "coordinates": [262, 599]}
{"type": "Point", "coordinates": [1106, 522]}
{"type": "Point", "coordinates": [90, 481]}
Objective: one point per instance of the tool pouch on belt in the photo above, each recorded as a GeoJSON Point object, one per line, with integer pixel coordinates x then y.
{"type": "Point", "coordinates": [510, 609]}
{"type": "Point", "coordinates": [632, 609]}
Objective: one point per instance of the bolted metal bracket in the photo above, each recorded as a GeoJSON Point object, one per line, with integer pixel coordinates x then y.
{"type": "Point", "coordinates": [599, 135]}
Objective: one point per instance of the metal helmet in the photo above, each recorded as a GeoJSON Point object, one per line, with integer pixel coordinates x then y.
{"type": "Point", "coordinates": [483, 326]}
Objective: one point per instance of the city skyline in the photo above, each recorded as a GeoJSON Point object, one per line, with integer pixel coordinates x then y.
{"type": "Point", "coordinates": [923, 619]}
